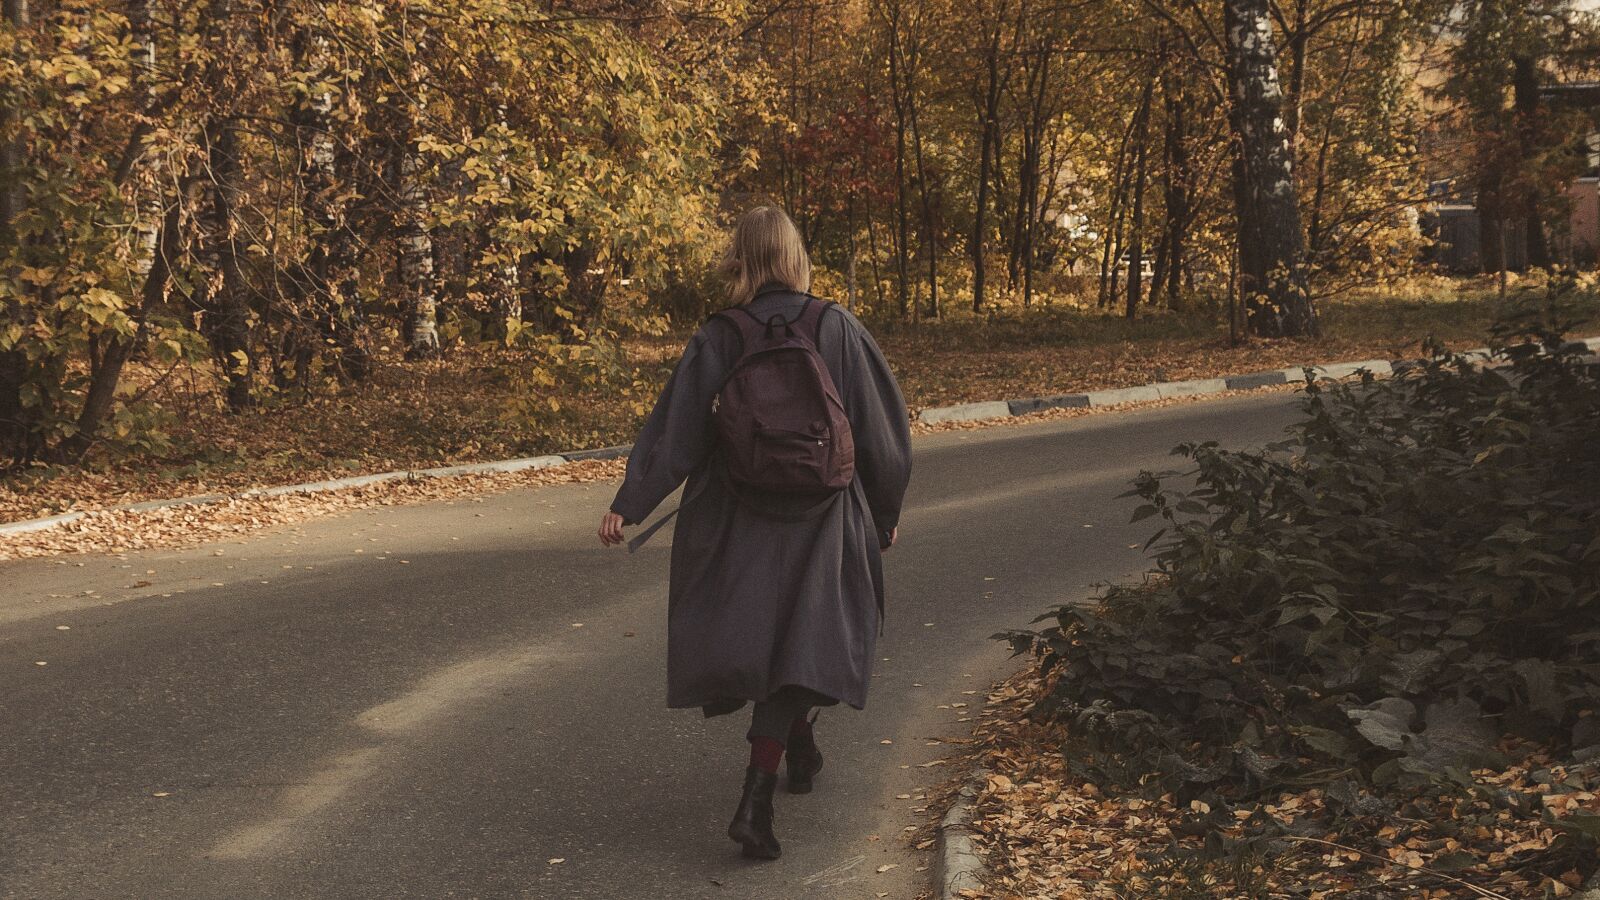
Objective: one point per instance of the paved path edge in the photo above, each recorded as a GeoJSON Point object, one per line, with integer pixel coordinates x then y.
{"type": "Point", "coordinates": [335, 484]}
{"type": "Point", "coordinates": [960, 868]}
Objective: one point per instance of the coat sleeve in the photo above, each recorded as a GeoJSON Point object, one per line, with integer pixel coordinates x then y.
{"type": "Point", "coordinates": [677, 438]}
{"type": "Point", "coordinates": [879, 422]}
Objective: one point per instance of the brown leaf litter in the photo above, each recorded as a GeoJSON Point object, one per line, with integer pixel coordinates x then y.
{"type": "Point", "coordinates": [105, 531]}
{"type": "Point", "coordinates": [1047, 832]}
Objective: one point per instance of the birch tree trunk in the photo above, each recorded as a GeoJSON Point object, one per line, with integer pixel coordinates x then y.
{"type": "Point", "coordinates": [418, 283]}
{"type": "Point", "coordinates": [418, 280]}
{"type": "Point", "coordinates": [329, 276]}
{"type": "Point", "coordinates": [505, 278]}
{"type": "Point", "coordinates": [1272, 245]}
{"type": "Point", "coordinates": [146, 183]}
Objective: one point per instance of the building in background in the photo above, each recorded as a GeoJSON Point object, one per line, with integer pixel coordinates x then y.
{"type": "Point", "coordinates": [1451, 219]}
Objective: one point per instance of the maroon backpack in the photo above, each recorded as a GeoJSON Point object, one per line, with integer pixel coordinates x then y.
{"type": "Point", "coordinates": [779, 419]}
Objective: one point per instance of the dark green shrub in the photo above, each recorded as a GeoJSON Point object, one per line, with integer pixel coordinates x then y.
{"type": "Point", "coordinates": [1412, 574]}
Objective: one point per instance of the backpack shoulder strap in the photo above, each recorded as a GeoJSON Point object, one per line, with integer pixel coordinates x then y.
{"type": "Point", "coordinates": [810, 318]}
{"type": "Point", "coordinates": [746, 326]}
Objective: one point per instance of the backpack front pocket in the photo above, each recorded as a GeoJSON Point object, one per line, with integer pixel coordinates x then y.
{"type": "Point", "coordinates": [787, 459]}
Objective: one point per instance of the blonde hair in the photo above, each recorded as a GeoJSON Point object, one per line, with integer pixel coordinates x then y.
{"type": "Point", "coordinates": [766, 249]}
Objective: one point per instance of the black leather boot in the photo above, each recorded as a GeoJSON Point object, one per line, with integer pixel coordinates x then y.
{"type": "Point", "coordinates": [752, 823]}
{"type": "Point", "coordinates": [805, 761]}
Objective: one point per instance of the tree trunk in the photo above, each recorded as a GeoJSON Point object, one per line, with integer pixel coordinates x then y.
{"type": "Point", "coordinates": [1141, 156]}
{"type": "Point", "coordinates": [1039, 122]}
{"type": "Point", "coordinates": [930, 237]}
{"type": "Point", "coordinates": [12, 197]}
{"type": "Point", "coordinates": [418, 281]}
{"type": "Point", "coordinates": [505, 300]}
{"type": "Point", "coordinates": [329, 277]}
{"type": "Point", "coordinates": [978, 223]}
{"type": "Point", "coordinates": [1299, 43]}
{"type": "Point", "coordinates": [1111, 249]}
{"type": "Point", "coordinates": [17, 439]}
{"type": "Point", "coordinates": [902, 225]}
{"type": "Point", "coordinates": [223, 301]}
{"type": "Point", "coordinates": [1177, 184]}
{"type": "Point", "coordinates": [419, 285]}
{"type": "Point", "coordinates": [227, 311]}
{"type": "Point", "coordinates": [872, 252]}
{"type": "Point", "coordinates": [989, 126]}
{"type": "Point", "coordinates": [147, 186]}
{"type": "Point", "coordinates": [586, 290]}
{"type": "Point", "coordinates": [1272, 245]}
{"type": "Point", "coordinates": [107, 374]}
{"type": "Point", "coordinates": [1525, 93]}
{"type": "Point", "coordinates": [851, 289]}
{"type": "Point", "coordinates": [1488, 201]}
{"type": "Point", "coordinates": [1029, 174]}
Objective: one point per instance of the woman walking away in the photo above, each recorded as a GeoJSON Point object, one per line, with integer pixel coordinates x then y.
{"type": "Point", "coordinates": [787, 424]}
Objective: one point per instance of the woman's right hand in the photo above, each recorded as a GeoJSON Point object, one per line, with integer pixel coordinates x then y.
{"type": "Point", "coordinates": [610, 529]}
{"type": "Point", "coordinates": [886, 540]}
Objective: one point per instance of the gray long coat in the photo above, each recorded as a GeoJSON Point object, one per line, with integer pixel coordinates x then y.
{"type": "Point", "coordinates": [757, 603]}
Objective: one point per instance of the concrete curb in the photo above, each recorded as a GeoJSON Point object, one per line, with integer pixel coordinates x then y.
{"type": "Point", "coordinates": [960, 867]}
{"type": "Point", "coordinates": [1164, 390]}
{"type": "Point", "coordinates": [28, 525]}
{"type": "Point", "coordinates": [335, 484]}
{"type": "Point", "coordinates": [966, 412]}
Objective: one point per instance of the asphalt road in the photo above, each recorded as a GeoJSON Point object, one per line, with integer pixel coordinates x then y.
{"type": "Point", "coordinates": [441, 700]}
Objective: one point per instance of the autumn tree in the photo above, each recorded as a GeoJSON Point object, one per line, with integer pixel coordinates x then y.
{"type": "Point", "coordinates": [1504, 54]}
{"type": "Point", "coordinates": [1271, 239]}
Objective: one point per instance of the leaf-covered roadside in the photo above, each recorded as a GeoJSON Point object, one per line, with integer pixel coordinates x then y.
{"type": "Point", "coordinates": [1395, 613]}
{"type": "Point", "coordinates": [1058, 818]}
{"type": "Point", "coordinates": [475, 404]}
{"type": "Point", "coordinates": [121, 531]}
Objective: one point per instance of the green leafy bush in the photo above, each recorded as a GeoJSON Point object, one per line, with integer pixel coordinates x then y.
{"type": "Point", "coordinates": [1412, 574]}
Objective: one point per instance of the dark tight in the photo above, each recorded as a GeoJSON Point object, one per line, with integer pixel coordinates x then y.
{"type": "Point", "coordinates": [774, 716]}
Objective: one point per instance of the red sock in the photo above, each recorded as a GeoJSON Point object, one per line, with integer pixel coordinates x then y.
{"type": "Point", "coordinates": [765, 754]}
{"type": "Point", "coordinates": [800, 732]}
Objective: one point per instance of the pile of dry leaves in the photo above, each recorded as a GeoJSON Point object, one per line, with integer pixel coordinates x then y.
{"type": "Point", "coordinates": [1050, 826]}
{"type": "Point", "coordinates": [106, 531]}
